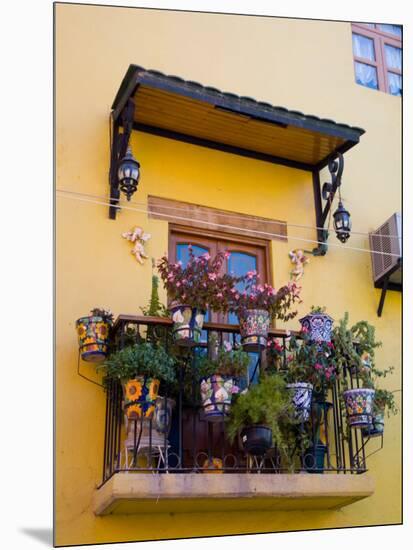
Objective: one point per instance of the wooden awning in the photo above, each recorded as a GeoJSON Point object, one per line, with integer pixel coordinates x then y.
{"type": "Point", "coordinates": [171, 107]}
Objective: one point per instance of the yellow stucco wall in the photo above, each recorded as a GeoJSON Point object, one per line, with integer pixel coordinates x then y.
{"type": "Point", "coordinates": [303, 65]}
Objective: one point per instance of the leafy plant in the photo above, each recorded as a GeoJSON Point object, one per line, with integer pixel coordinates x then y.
{"type": "Point", "coordinates": [106, 314]}
{"type": "Point", "coordinates": [317, 310]}
{"type": "Point", "coordinates": [268, 403]}
{"type": "Point", "coordinates": [256, 296]}
{"type": "Point", "coordinates": [155, 308]}
{"type": "Point", "coordinates": [142, 359]}
{"type": "Point", "coordinates": [384, 401]}
{"type": "Point", "coordinates": [226, 362]}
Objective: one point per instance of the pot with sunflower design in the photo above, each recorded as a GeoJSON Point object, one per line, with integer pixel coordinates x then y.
{"type": "Point", "coordinates": [93, 334]}
{"type": "Point", "coordinates": [140, 369]}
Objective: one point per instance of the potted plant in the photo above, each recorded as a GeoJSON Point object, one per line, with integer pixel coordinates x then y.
{"type": "Point", "coordinates": [93, 334]}
{"type": "Point", "coordinates": [318, 324]}
{"type": "Point", "coordinates": [218, 379]}
{"type": "Point", "coordinates": [258, 305]}
{"type": "Point", "coordinates": [140, 368]}
{"type": "Point", "coordinates": [262, 415]}
{"type": "Point", "coordinates": [193, 289]}
{"type": "Point", "coordinates": [383, 402]}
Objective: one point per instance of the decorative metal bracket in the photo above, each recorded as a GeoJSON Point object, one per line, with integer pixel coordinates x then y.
{"type": "Point", "coordinates": [335, 167]}
{"type": "Point", "coordinates": [119, 146]}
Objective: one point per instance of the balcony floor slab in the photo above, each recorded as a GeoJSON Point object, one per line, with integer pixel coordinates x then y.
{"type": "Point", "coordinates": [137, 493]}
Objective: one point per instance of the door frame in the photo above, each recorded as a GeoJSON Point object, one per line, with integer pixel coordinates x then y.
{"type": "Point", "coordinates": [223, 236]}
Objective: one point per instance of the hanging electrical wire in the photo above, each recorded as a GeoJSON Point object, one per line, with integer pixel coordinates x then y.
{"type": "Point", "coordinates": [105, 202]}
{"type": "Point", "coordinates": [227, 215]}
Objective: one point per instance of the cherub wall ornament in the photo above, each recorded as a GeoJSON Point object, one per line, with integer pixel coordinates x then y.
{"type": "Point", "coordinates": [298, 258]}
{"type": "Point", "coordinates": [139, 237]}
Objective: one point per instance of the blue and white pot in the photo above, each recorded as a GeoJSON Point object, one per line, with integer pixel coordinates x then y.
{"type": "Point", "coordinates": [187, 325]}
{"type": "Point", "coordinates": [318, 325]}
{"type": "Point", "coordinates": [301, 394]}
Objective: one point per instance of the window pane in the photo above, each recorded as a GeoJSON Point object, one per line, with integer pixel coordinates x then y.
{"type": "Point", "coordinates": [239, 264]}
{"type": "Point", "coordinates": [395, 83]}
{"type": "Point", "coordinates": [393, 57]}
{"type": "Point", "coordinates": [363, 47]}
{"type": "Point", "coordinates": [371, 25]}
{"type": "Point", "coordinates": [182, 252]}
{"type": "Point", "coordinates": [366, 75]}
{"type": "Point", "coordinates": [391, 29]}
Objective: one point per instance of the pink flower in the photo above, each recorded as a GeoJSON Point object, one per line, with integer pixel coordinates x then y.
{"type": "Point", "coordinates": [207, 256]}
{"type": "Point", "coordinates": [251, 274]}
{"type": "Point", "coordinates": [227, 254]}
{"type": "Point", "coordinates": [235, 389]}
{"type": "Point", "coordinates": [219, 295]}
{"type": "Point", "coordinates": [237, 296]}
{"type": "Point", "coordinates": [330, 345]}
{"type": "Point", "coordinates": [212, 276]}
{"type": "Point", "coordinates": [178, 284]}
{"type": "Point", "coordinates": [318, 366]}
{"type": "Point", "coordinates": [227, 346]}
{"type": "Point", "coordinates": [304, 330]}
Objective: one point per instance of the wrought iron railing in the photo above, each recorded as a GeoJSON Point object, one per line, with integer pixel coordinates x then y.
{"type": "Point", "coordinates": [179, 439]}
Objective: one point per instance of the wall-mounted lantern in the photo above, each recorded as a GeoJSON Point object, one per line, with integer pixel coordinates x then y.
{"type": "Point", "coordinates": [124, 170]}
{"type": "Point", "coordinates": [128, 174]}
{"type": "Point", "coordinates": [342, 223]}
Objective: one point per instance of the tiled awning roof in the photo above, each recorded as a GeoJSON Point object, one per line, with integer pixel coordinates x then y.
{"type": "Point", "coordinates": [172, 107]}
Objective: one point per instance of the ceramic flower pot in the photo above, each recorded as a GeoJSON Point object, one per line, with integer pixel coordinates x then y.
{"type": "Point", "coordinates": [161, 425]}
{"type": "Point", "coordinates": [256, 439]}
{"type": "Point", "coordinates": [212, 466]}
{"type": "Point", "coordinates": [187, 325]}
{"type": "Point", "coordinates": [216, 396]}
{"type": "Point", "coordinates": [93, 335]}
{"type": "Point", "coordinates": [376, 428]}
{"type": "Point", "coordinates": [359, 406]}
{"type": "Point", "coordinates": [301, 394]}
{"type": "Point", "coordinates": [140, 396]}
{"type": "Point", "coordinates": [253, 327]}
{"type": "Point", "coordinates": [314, 457]}
{"type": "Point", "coordinates": [318, 326]}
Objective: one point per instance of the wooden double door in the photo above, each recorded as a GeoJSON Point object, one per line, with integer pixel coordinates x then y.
{"type": "Point", "coordinates": [246, 254]}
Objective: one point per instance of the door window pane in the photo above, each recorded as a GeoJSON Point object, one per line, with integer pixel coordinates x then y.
{"type": "Point", "coordinates": [393, 57]}
{"type": "Point", "coordinates": [395, 83]}
{"type": "Point", "coordinates": [391, 29]}
{"type": "Point", "coordinates": [182, 254]}
{"type": "Point", "coordinates": [363, 47]}
{"type": "Point", "coordinates": [239, 263]}
{"type": "Point", "coordinates": [366, 75]}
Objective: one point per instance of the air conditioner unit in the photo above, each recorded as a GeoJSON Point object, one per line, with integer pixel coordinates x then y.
{"type": "Point", "coordinates": [386, 256]}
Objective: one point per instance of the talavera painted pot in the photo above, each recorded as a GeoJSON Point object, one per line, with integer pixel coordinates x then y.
{"type": "Point", "coordinates": [318, 325]}
{"type": "Point", "coordinates": [187, 325]}
{"type": "Point", "coordinates": [216, 396]}
{"type": "Point", "coordinates": [93, 334]}
{"type": "Point", "coordinates": [140, 396]}
{"type": "Point", "coordinates": [301, 394]}
{"type": "Point", "coordinates": [359, 406]}
{"type": "Point", "coordinates": [253, 327]}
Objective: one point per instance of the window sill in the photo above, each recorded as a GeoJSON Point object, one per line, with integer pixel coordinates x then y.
{"type": "Point", "coordinates": [131, 493]}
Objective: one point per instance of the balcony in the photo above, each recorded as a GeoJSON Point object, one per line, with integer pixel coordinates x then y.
{"type": "Point", "coordinates": [147, 469]}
